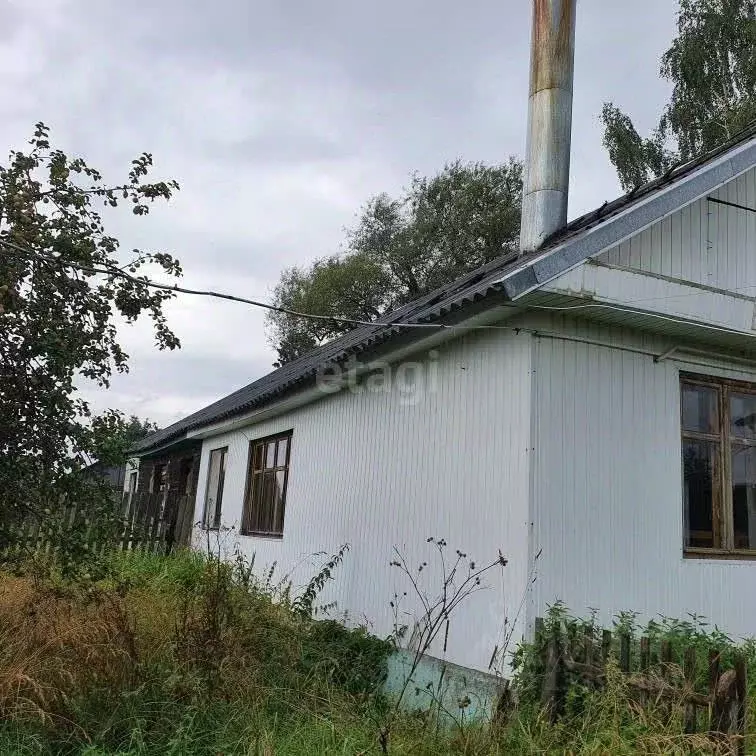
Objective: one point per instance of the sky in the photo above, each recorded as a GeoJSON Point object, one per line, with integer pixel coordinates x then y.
{"type": "Point", "coordinates": [279, 119]}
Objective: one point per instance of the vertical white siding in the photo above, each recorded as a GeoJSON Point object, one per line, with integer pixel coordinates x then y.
{"type": "Point", "coordinates": [705, 243]}
{"type": "Point", "coordinates": [608, 490]}
{"type": "Point", "coordinates": [380, 470]}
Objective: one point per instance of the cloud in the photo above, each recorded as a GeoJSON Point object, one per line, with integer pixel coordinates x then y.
{"type": "Point", "coordinates": [279, 118]}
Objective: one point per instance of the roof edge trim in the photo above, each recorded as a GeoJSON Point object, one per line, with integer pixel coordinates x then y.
{"type": "Point", "coordinates": [633, 220]}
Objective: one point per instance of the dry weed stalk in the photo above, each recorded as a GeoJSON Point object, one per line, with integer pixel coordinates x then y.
{"type": "Point", "coordinates": [54, 644]}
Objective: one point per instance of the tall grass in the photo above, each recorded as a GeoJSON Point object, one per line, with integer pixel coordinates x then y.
{"type": "Point", "coordinates": [177, 655]}
{"type": "Point", "coordinates": [191, 655]}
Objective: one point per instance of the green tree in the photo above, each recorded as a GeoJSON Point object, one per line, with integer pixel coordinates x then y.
{"type": "Point", "coordinates": [117, 434]}
{"type": "Point", "coordinates": [61, 297]}
{"type": "Point", "coordinates": [712, 67]}
{"type": "Point", "coordinates": [401, 248]}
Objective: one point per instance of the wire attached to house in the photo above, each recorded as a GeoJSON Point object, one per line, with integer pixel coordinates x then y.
{"type": "Point", "coordinates": [119, 273]}
{"type": "Point", "coordinates": [143, 281]}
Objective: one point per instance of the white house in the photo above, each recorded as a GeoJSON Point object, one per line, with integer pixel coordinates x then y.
{"type": "Point", "coordinates": [587, 407]}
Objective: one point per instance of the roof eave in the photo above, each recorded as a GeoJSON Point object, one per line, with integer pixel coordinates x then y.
{"type": "Point", "coordinates": [388, 346]}
{"type": "Point", "coordinates": [560, 259]}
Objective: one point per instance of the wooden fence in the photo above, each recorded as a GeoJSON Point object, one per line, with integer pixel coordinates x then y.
{"type": "Point", "coordinates": [153, 522]}
{"type": "Point", "coordinates": [157, 521]}
{"type": "Point", "coordinates": [654, 672]}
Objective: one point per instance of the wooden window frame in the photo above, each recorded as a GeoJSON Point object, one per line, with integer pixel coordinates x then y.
{"type": "Point", "coordinates": [249, 507]}
{"type": "Point", "coordinates": [723, 523]}
{"type": "Point", "coordinates": [219, 493]}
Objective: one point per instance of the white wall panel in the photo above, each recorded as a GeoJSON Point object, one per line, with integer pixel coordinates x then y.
{"type": "Point", "coordinates": [623, 287]}
{"type": "Point", "coordinates": [706, 243]}
{"type": "Point", "coordinates": [384, 469]}
{"type": "Point", "coordinates": [608, 491]}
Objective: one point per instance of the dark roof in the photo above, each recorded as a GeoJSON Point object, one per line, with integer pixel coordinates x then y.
{"type": "Point", "coordinates": [464, 290]}
{"type": "Point", "coordinates": [575, 242]}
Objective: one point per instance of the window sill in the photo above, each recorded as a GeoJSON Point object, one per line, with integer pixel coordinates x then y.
{"type": "Point", "coordinates": [266, 536]}
{"type": "Point", "coordinates": [720, 554]}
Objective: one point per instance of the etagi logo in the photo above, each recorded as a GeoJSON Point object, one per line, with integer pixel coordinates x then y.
{"type": "Point", "coordinates": [407, 381]}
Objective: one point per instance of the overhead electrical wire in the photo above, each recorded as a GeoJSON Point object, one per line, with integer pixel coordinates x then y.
{"type": "Point", "coordinates": [120, 273]}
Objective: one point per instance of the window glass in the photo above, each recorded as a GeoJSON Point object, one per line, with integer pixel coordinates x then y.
{"type": "Point", "coordinates": [743, 415]}
{"type": "Point", "coordinates": [256, 523]}
{"type": "Point", "coordinates": [719, 464]}
{"type": "Point", "coordinates": [270, 455]}
{"type": "Point", "coordinates": [699, 409]}
{"type": "Point", "coordinates": [257, 456]}
{"type": "Point", "coordinates": [268, 504]}
{"type": "Point", "coordinates": [698, 492]}
{"type": "Point", "coordinates": [283, 446]}
{"type": "Point", "coordinates": [743, 471]}
{"type": "Point", "coordinates": [267, 477]}
{"type": "Point", "coordinates": [215, 480]}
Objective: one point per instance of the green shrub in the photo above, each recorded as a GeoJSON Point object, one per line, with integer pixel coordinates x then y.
{"type": "Point", "coordinates": [354, 660]}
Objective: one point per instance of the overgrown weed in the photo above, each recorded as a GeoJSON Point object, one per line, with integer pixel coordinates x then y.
{"type": "Point", "coordinates": [166, 645]}
{"type": "Point", "coordinates": [193, 655]}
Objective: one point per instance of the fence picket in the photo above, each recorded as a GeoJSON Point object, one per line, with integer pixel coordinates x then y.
{"type": "Point", "coordinates": [645, 645]}
{"type": "Point", "coordinates": [725, 699]}
{"type": "Point", "coordinates": [148, 521]}
{"type": "Point", "coordinates": [588, 646]}
{"type": "Point", "coordinates": [713, 681]}
{"type": "Point", "coordinates": [552, 663]}
{"type": "Point", "coordinates": [689, 673]}
{"type": "Point", "coordinates": [606, 646]}
{"type": "Point", "coordinates": [742, 706]}
{"type": "Point", "coordinates": [624, 657]}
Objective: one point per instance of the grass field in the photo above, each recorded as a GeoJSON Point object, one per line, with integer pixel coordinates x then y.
{"type": "Point", "coordinates": [188, 655]}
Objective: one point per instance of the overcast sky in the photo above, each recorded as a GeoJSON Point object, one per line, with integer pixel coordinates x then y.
{"type": "Point", "coordinates": [279, 118]}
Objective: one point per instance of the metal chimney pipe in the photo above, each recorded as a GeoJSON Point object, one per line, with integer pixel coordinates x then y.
{"type": "Point", "coordinates": [547, 169]}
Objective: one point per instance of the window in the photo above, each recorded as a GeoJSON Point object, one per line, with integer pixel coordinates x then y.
{"type": "Point", "coordinates": [267, 476]}
{"type": "Point", "coordinates": [186, 469]}
{"type": "Point", "coordinates": [129, 499]}
{"type": "Point", "coordinates": [159, 478]}
{"type": "Point", "coordinates": [718, 419]}
{"type": "Point", "coordinates": [216, 475]}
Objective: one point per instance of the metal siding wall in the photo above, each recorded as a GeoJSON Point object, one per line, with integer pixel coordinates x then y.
{"type": "Point", "coordinates": [375, 471]}
{"type": "Point", "coordinates": [704, 243]}
{"type": "Point", "coordinates": [608, 491]}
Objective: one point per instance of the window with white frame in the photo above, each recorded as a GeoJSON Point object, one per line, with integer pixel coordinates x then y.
{"type": "Point", "coordinates": [159, 479]}
{"type": "Point", "coordinates": [718, 419]}
{"type": "Point", "coordinates": [216, 476]}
